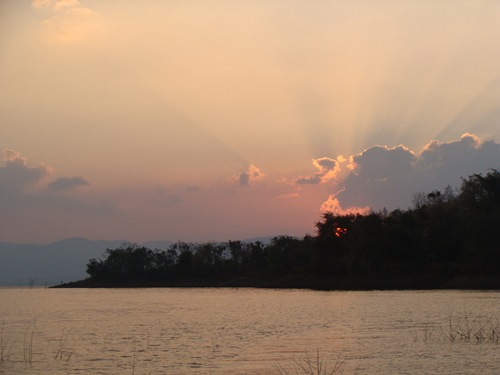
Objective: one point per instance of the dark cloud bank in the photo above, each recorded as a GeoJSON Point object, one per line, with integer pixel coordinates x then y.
{"type": "Point", "coordinates": [67, 183]}
{"type": "Point", "coordinates": [378, 177]}
{"type": "Point", "coordinates": [25, 187]}
{"type": "Point", "coordinates": [381, 176]}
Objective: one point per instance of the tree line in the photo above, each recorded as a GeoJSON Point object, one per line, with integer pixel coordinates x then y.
{"type": "Point", "coordinates": [450, 232]}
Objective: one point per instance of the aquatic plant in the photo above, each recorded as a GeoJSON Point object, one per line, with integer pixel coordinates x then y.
{"type": "Point", "coordinates": [475, 330]}
{"type": "Point", "coordinates": [314, 366]}
{"type": "Point", "coordinates": [29, 334]}
{"type": "Point", "coordinates": [4, 352]}
{"type": "Point", "coordinates": [133, 362]}
{"type": "Point", "coordinates": [62, 343]}
{"type": "Point", "coordinates": [31, 282]}
{"type": "Point", "coordinates": [463, 329]}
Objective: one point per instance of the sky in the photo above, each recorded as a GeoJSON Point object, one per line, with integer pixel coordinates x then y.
{"type": "Point", "coordinates": [218, 120]}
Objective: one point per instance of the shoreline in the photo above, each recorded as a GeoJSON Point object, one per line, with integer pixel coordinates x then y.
{"type": "Point", "coordinates": [346, 283]}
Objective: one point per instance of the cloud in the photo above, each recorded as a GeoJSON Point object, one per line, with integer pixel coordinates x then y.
{"type": "Point", "coordinates": [67, 183]}
{"type": "Point", "coordinates": [332, 205]}
{"type": "Point", "coordinates": [39, 4]}
{"type": "Point", "coordinates": [163, 196]}
{"type": "Point", "coordinates": [328, 170]}
{"type": "Point", "coordinates": [436, 155]}
{"type": "Point", "coordinates": [22, 187]}
{"type": "Point", "coordinates": [382, 176]}
{"type": "Point", "coordinates": [61, 4]}
{"type": "Point", "coordinates": [66, 20]}
{"type": "Point", "coordinates": [55, 5]}
{"type": "Point", "coordinates": [249, 177]}
{"type": "Point", "coordinates": [381, 162]}
{"type": "Point", "coordinates": [16, 176]}
{"type": "Point", "coordinates": [289, 196]}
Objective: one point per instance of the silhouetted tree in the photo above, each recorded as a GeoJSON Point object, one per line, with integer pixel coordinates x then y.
{"type": "Point", "coordinates": [444, 233]}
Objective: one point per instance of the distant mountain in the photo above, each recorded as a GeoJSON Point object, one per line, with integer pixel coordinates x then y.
{"type": "Point", "coordinates": [50, 264]}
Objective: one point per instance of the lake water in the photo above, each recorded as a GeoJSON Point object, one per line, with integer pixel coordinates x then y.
{"type": "Point", "coordinates": [246, 331]}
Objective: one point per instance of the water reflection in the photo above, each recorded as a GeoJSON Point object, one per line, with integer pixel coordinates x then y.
{"type": "Point", "coordinates": [245, 331]}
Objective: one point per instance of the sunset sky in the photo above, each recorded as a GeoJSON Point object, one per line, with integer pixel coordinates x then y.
{"type": "Point", "coordinates": [201, 120]}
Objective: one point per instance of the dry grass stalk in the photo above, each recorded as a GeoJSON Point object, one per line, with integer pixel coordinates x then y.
{"type": "Point", "coordinates": [62, 343]}
{"type": "Point", "coordinates": [313, 366]}
{"type": "Point", "coordinates": [29, 334]}
{"type": "Point", "coordinates": [3, 345]}
{"type": "Point", "coordinates": [464, 330]}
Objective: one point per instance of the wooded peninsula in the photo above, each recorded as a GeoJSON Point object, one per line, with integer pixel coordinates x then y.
{"type": "Point", "coordinates": [447, 240]}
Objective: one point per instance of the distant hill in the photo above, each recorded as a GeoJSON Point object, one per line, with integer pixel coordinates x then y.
{"type": "Point", "coordinates": [51, 264]}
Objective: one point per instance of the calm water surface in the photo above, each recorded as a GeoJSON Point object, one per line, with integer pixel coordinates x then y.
{"type": "Point", "coordinates": [245, 331]}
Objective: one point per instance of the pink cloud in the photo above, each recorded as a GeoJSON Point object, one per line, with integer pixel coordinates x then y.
{"type": "Point", "coordinates": [328, 169]}
{"type": "Point", "coordinates": [252, 175]}
{"type": "Point", "coordinates": [333, 205]}
{"type": "Point", "coordinates": [289, 196]}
